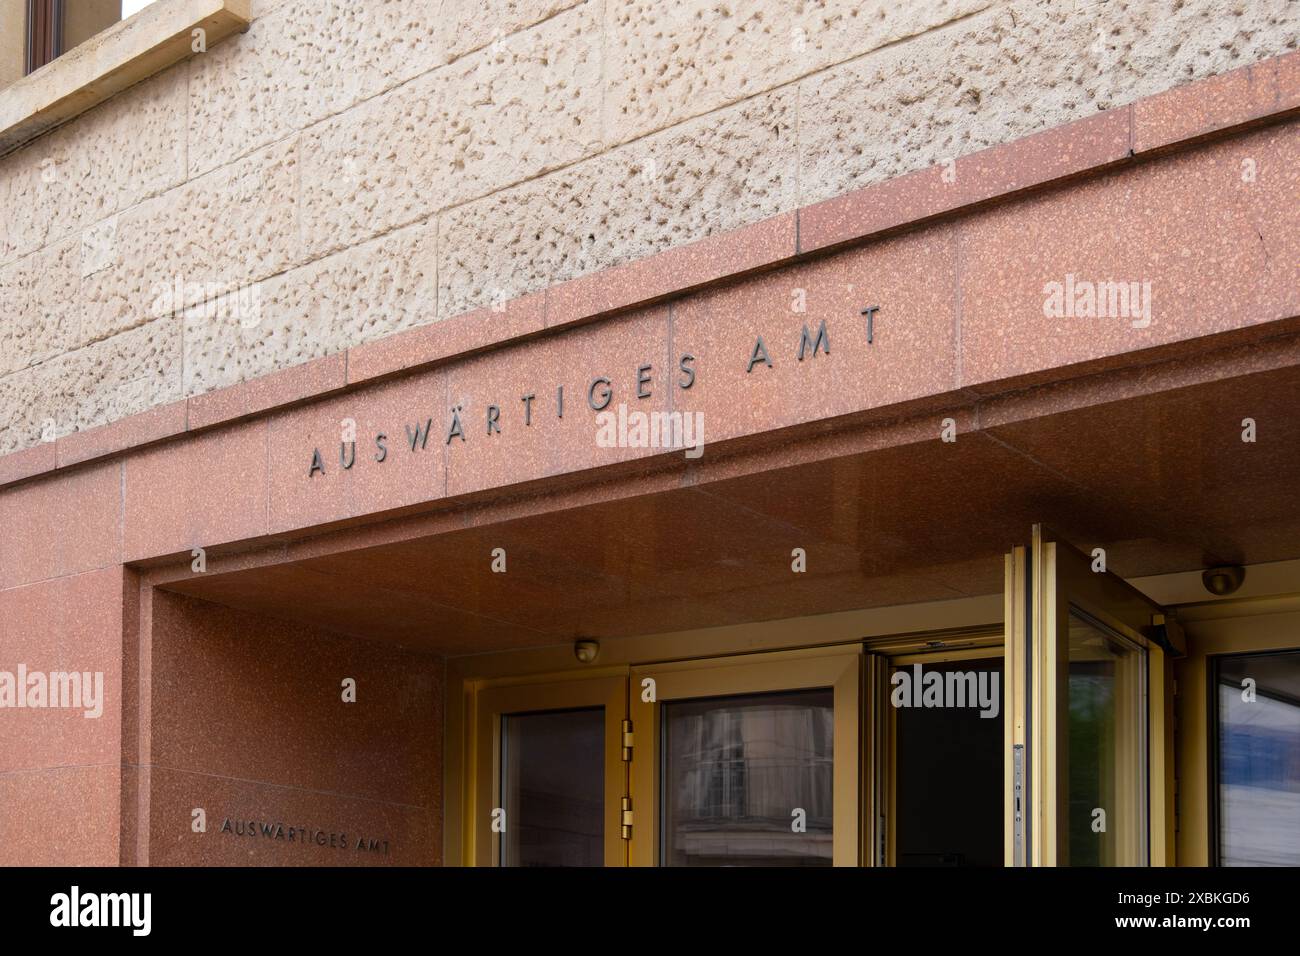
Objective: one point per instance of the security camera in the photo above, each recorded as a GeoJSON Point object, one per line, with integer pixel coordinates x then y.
{"type": "Point", "coordinates": [1224, 580]}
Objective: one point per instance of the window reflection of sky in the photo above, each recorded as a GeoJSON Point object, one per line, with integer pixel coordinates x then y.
{"type": "Point", "coordinates": [133, 6]}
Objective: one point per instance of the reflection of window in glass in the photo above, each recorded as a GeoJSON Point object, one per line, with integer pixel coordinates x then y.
{"type": "Point", "coordinates": [736, 769]}
{"type": "Point", "coordinates": [553, 788]}
{"type": "Point", "coordinates": [1106, 757]}
{"type": "Point", "coordinates": [1258, 730]}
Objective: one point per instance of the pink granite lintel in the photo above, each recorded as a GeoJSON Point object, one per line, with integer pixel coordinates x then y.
{"type": "Point", "coordinates": [284, 387]}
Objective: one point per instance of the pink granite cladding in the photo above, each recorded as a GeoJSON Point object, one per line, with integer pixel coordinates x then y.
{"type": "Point", "coordinates": [673, 271]}
{"type": "Point", "coordinates": [1210, 240]}
{"type": "Point", "coordinates": [66, 816]}
{"type": "Point", "coordinates": [439, 341]}
{"type": "Point", "coordinates": [285, 387]}
{"type": "Point", "coordinates": [71, 625]}
{"type": "Point", "coordinates": [911, 280]}
{"type": "Point", "coordinates": [27, 462]}
{"type": "Point", "coordinates": [133, 431]}
{"type": "Point", "coordinates": [612, 485]}
{"type": "Point", "coordinates": [1053, 155]}
{"type": "Point", "coordinates": [365, 440]}
{"type": "Point", "coordinates": [532, 439]}
{"type": "Point", "coordinates": [1286, 75]}
{"type": "Point", "coordinates": [225, 680]}
{"type": "Point", "coordinates": [211, 488]}
{"type": "Point", "coordinates": [60, 524]}
{"type": "Point", "coordinates": [1184, 113]}
{"type": "Point", "coordinates": [255, 824]}
{"type": "Point", "coordinates": [1175, 461]}
{"type": "Point", "coordinates": [871, 437]}
{"type": "Point", "coordinates": [1227, 361]}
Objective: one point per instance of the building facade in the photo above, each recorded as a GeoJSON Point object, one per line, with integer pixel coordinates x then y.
{"type": "Point", "coordinates": [581, 432]}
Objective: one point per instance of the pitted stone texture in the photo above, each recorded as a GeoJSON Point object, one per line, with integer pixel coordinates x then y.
{"type": "Point", "coordinates": [214, 236]}
{"type": "Point", "coordinates": [368, 291]}
{"type": "Point", "coordinates": [100, 383]}
{"type": "Point", "coordinates": [262, 8]}
{"type": "Point", "coordinates": [701, 178]}
{"type": "Point", "coordinates": [29, 185]}
{"type": "Point", "coordinates": [670, 61]}
{"type": "Point", "coordinates": [1015, 70]}
{"type": "Point", "coordinates": [97, 246]}
{"type": "Point", "coordinates": [491, 119]}
{"type": "Point", "coordinates": [128, 148]}
{"type": "Point", "coordinates": [40, 306]}
{"type": "Point", "coordinates": [306, 60]}
{"type": "Point", "coordinates": [469, 25]}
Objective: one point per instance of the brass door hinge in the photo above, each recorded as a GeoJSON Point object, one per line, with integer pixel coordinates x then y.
{"type": "Point", "coordinates": [627, 818]}
{"type": "Point", "coordinates": [627, 740]}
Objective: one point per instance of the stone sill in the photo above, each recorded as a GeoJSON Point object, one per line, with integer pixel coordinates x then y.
{"type": "Point", "coordinates": [129, 51]}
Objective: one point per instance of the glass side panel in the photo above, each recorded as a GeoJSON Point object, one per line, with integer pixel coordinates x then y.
{"type": "Point", "coordinates": [748, 780]}
{"type": "Point", "coordinates": [1259, 759]}
{"type": "Point", "coordinates": [1106, 758]}
{"type": "Point", "coordinates": [553, 788]}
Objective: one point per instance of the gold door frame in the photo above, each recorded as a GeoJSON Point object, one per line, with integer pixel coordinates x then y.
{"type": "Point", "coordinates": [1061, 580]}
{"type": "Point", "coordinates": [797, 670]}
{"type": "Point", "coordinates": [894, 629]}
{"type": "Point", "coordinates": [1263, 618]}
{"type": "Point", "coordinates": [494, 703]}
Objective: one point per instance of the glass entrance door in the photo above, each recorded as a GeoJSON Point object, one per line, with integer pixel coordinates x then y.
{"type": "Point", "coordinates": [1104, 711]}
{"type": "Point", "coordinates": [551, 774]}
{"type": "Point", "coordinates": [734, 768]}
{"type": "Point", "coordinates": [945, 713]}
{"type": "Point", "coordinates": [746, 762]}
{"type": "Point", "coordinates": [1090, 760]}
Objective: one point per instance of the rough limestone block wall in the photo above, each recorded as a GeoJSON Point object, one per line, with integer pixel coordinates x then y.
{"type": "Point", "coordinates": [349, 168]}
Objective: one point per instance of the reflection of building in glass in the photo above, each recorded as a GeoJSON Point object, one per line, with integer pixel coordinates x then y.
{"type": "Point", "coordinates": [1259, 761]}
{"type": "Point", "coordinates": [738, 770]}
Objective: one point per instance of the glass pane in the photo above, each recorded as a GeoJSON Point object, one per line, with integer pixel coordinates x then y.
{"type": "Point", "coordinates": [945, 746]}
{"type": "Point", "coordinates": [82, 19]}
{"type": "Point", "coordinates": [736, 770]}
{"type": "Point", "coordinates": [1107, 749]}
{"type": "Point", "coordinates": [1259, 760]}
{"type": "Point", "coordinates": [553, 788]}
